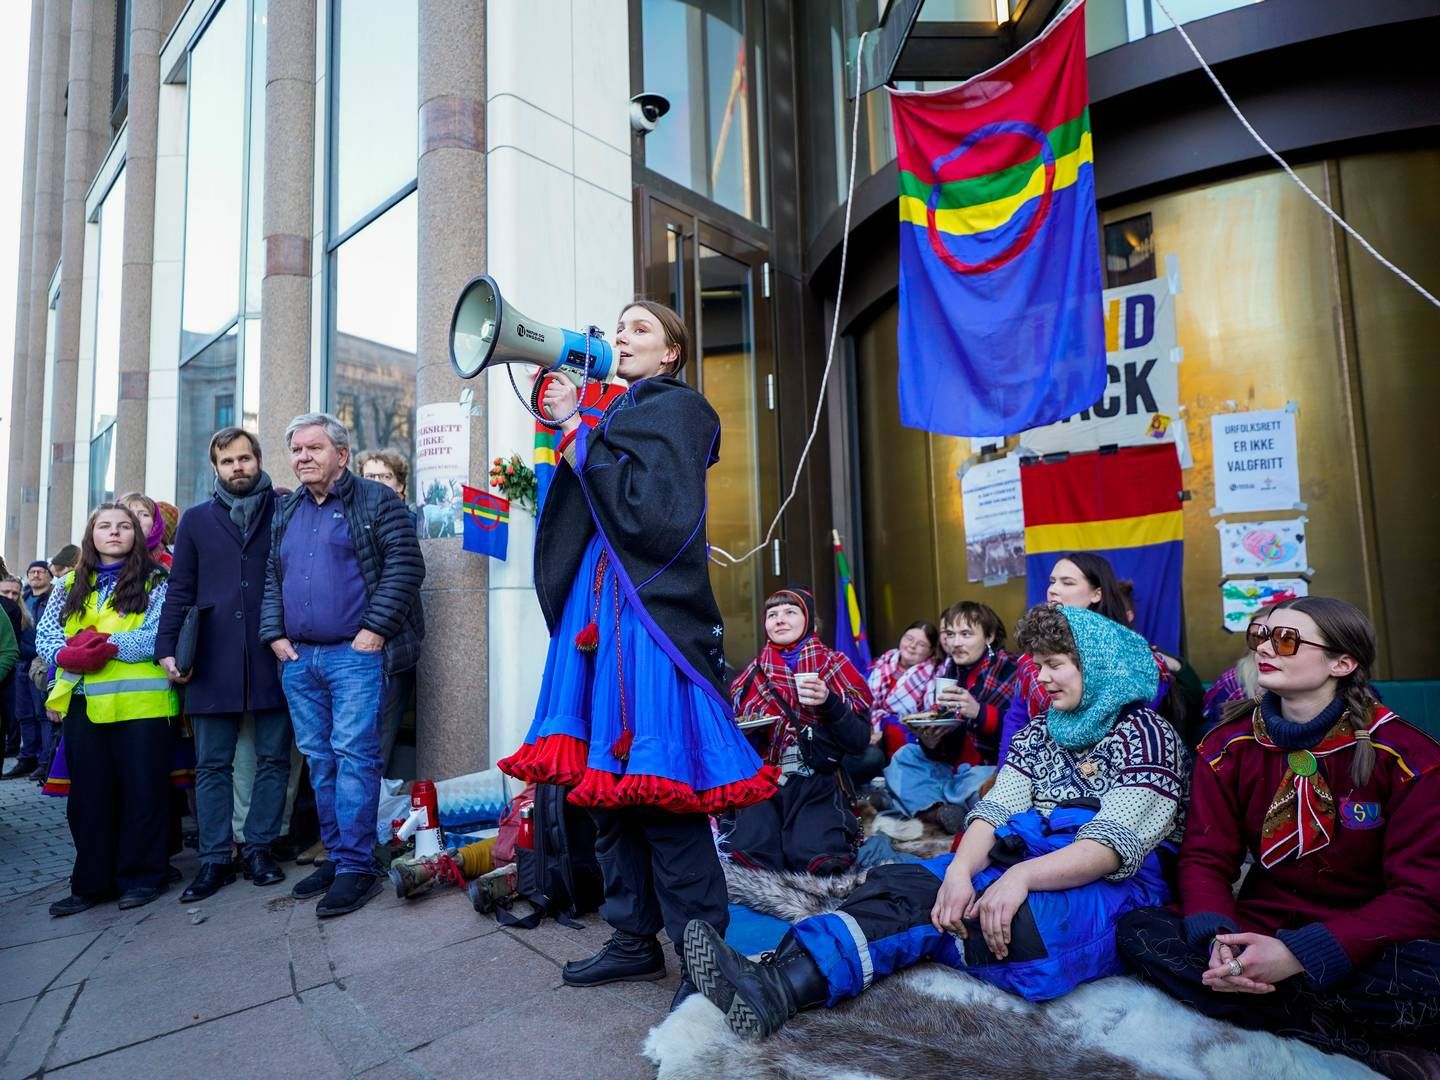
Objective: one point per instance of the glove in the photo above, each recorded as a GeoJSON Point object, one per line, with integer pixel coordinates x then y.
{"type": "Point", "coordinates": [89, 656]}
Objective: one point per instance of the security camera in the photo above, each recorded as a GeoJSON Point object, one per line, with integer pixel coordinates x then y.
{"type": "Point", "coordinates": [646, 110]}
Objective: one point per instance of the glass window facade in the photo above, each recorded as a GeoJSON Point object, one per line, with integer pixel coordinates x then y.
{"type": "Point", "coordinates": [705, 56]}
{"type": "Point", "coordinates": [373, 226]}
{"type": "Point", "coordinates": [376, 105]}
{"type": "Point", "coordinates": [372, 353]}
{"type": "Point", "coordinates": [224, 237]}
{"type": "Point", "coordinates": [105, 397]}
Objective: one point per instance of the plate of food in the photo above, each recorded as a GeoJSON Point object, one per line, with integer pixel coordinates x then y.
{"type": "Point", "coordinates": [750, 721]}
{"type": "Point", "coordinates": [942, 718]}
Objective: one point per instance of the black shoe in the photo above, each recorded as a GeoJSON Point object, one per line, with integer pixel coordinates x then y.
{"type": "Point", "coordinates": [261, 869]}
{"type": "Point", "coordinates": [683, 991]}
{"type": "Point", "coordinates": [72, 905]}
{"type": "Point", "coordinates": [624, 958]}
{"type": "Point", "coordinates": [756, 998]}
{"type": "Point", "coordinates": [316, 883]}
{"type": "Point", "coordinates": [350, 892]}
{"type": "Point", "coordinates": [139, 897]}
{"type": "Point", "coordinates": [173, 875]}
{"type": "Point", "coordinates": [283, 849]}
{"type": "Point", "coordinates": [211, 879]}
{"type": "Point", "coordinates": [21, 769]}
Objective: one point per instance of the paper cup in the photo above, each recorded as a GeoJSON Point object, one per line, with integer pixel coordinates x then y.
{"type": "Point", "coordinates": [811, 676]}
{"type": "Point", "coordinates": [942, 684]}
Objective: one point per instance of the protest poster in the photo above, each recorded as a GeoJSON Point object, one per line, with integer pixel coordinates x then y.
{"type": "Point", "coordinates": [1263, 547]}
{"type": "Point", "coordinates": [1142, 394]}
{"type": "Point", "coordinates": [994, 520]}
{"type": "Point", "coordinates": [1257, 466]}
{"type": "Point", "coordinates": [442, 467]}
{"type": "Point", "coordinates": [1240, 600]}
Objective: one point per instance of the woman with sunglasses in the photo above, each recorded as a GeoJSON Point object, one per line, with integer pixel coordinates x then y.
{"type": "Point", "coordinates": [1333, 936]}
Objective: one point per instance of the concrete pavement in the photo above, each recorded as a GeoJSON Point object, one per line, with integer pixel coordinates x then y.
{"type": "Point", "coordinates": [261, 987]}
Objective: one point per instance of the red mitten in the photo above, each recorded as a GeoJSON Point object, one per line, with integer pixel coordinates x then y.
{"type": "Point", "coordinates": [84, 635]}
{"type": "Point", "coordinates": [88, 657]}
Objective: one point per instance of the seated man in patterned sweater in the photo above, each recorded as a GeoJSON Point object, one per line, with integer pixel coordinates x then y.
{"type": "Point", "coordinates": [1072, 836]}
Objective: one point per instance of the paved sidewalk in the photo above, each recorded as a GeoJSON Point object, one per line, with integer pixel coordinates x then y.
{"type": "Point", "coordinates": [35, 845]}
{"type": "Point", "coordinates": [262, 988]}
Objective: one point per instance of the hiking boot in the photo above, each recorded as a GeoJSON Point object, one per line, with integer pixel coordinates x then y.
{"type": "Point", "coordinates": [319, 880]}
{"type": "Point", "coordinates": [756, 998]}
{"type": "Point", "coordinates": [349, 892]}
{"type": "Point", "coordinates": [21, 769]}
{"type": "Point", "coordinates": [624, 958]}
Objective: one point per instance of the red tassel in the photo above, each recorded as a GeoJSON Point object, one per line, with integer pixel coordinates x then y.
{"type": "Point", "coordinates": [588, 639]}
{"type": "Point", "coordinates": [621, 749]}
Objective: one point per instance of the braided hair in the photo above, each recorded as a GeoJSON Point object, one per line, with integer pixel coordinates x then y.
{"type": "Point", "coordinates": [1347, 631]}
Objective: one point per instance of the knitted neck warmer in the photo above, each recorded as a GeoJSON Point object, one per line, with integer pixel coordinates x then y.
{"type": "Point", "coordinates": [1118, 668]}
{"type": "Point", "coordinates": [1289, 735]}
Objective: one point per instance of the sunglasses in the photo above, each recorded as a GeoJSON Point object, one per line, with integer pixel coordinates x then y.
{"type": "Point", "coordinates": [1285, 640]}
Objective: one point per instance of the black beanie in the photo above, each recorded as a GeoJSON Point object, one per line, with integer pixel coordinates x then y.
{"type": "Point", "coordinates": [801, 597]}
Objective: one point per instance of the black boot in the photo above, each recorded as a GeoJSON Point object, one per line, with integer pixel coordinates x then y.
{"type": "Point", "coordinates": [21, 769]}
{"type": "Point", "coordinates": [624, 958]}
{"type": "Point", "coordinates": [756, 998]}
{"type": "Point", "coordinates": [260, 868]}
{"type": "Point", "coordinates": [211, 879]}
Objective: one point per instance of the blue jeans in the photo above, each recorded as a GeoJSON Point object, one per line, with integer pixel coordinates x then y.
{"type": "Point", "coordinates": [334, 692]}
{"type": "Point", "coordinates": [215, 738]}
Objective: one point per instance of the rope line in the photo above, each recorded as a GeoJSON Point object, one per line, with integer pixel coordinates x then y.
{"type": "Point", "coordinates": [735, 560]}
{"type": "Point", "coordinates": [1288, 170]}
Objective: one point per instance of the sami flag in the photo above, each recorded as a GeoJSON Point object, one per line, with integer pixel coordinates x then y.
{"type": "Point", "coordinates": [850, 636]}
{"type": "Point", "coordinates": [1000, 282]}
{"type": "Point", "coordinates": [487, 523]}
{"type": "Point", "coordinates": [596, 400]}
{"type": "Point", "coordinates": [1123, 505]}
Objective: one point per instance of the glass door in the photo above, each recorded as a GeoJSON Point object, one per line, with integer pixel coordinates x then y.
{"type": "Point", "coordinates": [716, 282]}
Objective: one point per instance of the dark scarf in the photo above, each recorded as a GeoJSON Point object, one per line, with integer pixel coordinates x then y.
{"type": "Point", "coordinates": [244, 509]}
{"type": "Point", "coordinates": [1301, 817]}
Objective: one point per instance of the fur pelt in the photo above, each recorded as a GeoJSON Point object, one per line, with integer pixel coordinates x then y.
{"type": "Point", "coordinates": [788, 895]}
{"type": "Point", "coordinates": [931, 1021]}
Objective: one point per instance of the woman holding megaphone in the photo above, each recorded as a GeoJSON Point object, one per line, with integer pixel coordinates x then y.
{"type": "Point", "coordinates": [633, 712]}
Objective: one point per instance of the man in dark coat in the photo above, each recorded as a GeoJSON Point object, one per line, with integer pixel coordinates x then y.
{"type": "Point", "coordinates": [342, 613]}
{"type": "Point", "coordinates": [233, 673]}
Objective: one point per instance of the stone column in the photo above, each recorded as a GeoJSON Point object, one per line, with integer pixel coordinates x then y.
{"type": "Point", "coordinates": [138, 256]}
{"type": "Point", "coordinates": [289, 193]}
{"type": "Point", "coordinates": [453, 679]}
{"type": "Point", "coordinates": [87, 136]}
{"type": "Point", "coordinates": [23, 426]}
{"type": "Point", "coordinates": [44, 253]}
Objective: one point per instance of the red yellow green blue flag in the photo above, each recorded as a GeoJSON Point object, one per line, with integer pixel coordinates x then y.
{"type": "Point", "coordinates": [1000, 283]}
{"type": "Point", "coordinates": [850, 636]}
{"type": "Point", "coordinates": [487, 523]}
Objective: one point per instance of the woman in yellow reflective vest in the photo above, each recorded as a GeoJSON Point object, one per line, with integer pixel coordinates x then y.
{"type": "Point", "coordinates": [99, 632]}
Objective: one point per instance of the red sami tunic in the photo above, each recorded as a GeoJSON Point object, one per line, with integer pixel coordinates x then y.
{"type": "Point", "coordinates": [1377, 883]}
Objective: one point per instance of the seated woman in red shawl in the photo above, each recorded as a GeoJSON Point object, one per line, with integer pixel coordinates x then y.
{"type": "Point", "coordinates": [1333, 935]}
{"type": "Point", "coordinates": [820, 708]}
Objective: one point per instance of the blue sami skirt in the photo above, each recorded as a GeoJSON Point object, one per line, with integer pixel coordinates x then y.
{"type": "Point", "coordinates": [623, 725]}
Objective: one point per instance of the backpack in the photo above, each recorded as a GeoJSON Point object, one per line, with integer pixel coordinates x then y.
{"type": "Point", "coordinates": [560, 875]}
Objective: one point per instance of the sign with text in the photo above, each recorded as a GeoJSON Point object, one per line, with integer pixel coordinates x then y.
{"type": "Point", "coordinates": [994, 520]}
{"type": "Point", "coordinates": [1256, 463]}
{"type": "Point", "coordinates": [1142, 393]}
{"type": "Point", "coordinates": [442, 467]}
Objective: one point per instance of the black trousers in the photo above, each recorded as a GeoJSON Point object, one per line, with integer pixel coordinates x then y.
{"type": "Point", "coordinates": [806, 826]}
{"type": "Point", "coordinates": [660, 869]}
{"type": "Point", "coordinates": [119, 801]}
{"type": "Point", "coordinates": [865, 766]}
{"type": "Point", "coordinates": [1395, 999]}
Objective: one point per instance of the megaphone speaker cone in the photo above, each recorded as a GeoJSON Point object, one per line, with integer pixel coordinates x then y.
{"type": "Point", "coordinates": [475, 326]}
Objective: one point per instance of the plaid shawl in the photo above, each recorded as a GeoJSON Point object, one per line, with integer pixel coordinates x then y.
{"type": "Point", "coordinates": [767, 688]}
{"type": "Point", "coordinates": [992, 681]}
{"type": "Point", "coordinates": [899, 691]}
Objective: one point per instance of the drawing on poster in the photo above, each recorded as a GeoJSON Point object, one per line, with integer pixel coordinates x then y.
{"type": "Point", "coordinates": [1240, 600]}
{"type": "Point", "coordinates": [994, 520]}
{"type": "Point", "coordinates": [1263, 547]}
{"type": "Point", "coordinates": [1256, 463]}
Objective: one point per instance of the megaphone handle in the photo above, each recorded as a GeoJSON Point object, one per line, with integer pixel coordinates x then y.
{"type": "Point", "coordinates": [533, 405]}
